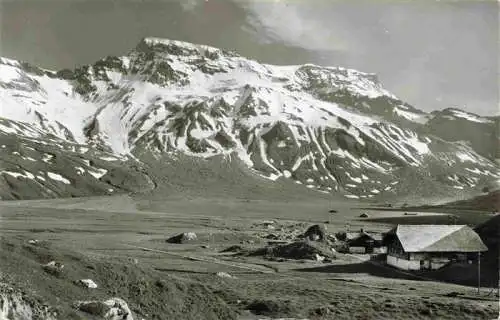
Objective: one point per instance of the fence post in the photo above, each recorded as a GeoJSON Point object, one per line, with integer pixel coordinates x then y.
{"type": "Point", "coordinates": [478, 271]}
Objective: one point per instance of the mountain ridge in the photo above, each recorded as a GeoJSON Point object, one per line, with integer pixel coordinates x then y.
{"type": "Point", "coordinates": [328, 128]}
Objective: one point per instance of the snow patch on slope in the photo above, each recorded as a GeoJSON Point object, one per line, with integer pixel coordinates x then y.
{"type": "Point", "coordinates": [415, 117]}
{"type": "Point", "coordinates": [58, 177]}
{"type": "Point", "coordinates": [470, 116]}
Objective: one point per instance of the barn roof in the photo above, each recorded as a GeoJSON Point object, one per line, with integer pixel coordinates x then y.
{"type": "Point", "coordinates": [356, 235]}
{"type": "Point", "coordinates": [439, 238]}
{"type": "Point", "coordinates": [352, 235]}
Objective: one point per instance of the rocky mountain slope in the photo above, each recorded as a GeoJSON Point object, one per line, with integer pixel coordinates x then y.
{"type": "Point", "coordinates": [330, 129]}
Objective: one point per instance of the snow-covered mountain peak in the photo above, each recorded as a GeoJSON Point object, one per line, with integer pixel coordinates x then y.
{"type": "Point", "coordinates": [327, 80]}
{"type": "Point", "coordinates": [12, 72]}
{"type": "Point", "coordinates": [329, 128]}
{"type": "Point", "coordinates": [177, 47]}
{"type": "Point", "coordinates": [9, 71]}
{"type": "Point", "coordinates": [185, 63]}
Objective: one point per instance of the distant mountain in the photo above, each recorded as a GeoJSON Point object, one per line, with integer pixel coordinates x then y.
{"type": "Point", "coordinates": [329, 129]}
{"type": "Point", "coordinates": [481, 133]}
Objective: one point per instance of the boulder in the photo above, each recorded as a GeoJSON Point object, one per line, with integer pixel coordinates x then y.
{"type": "Point", "coordinates": [53, 267]}
{"type": "Point", "coordinates": [111, 309]}
{"type": "Point", "coordinates": [319, 257]}
{"type": "Point", "coordinates": [183, 238]}
{"type": "Point", "coordinates": [119, 310]}
{"type": "Point", "coordinates": [224, 275]}
{"type": "Point", "coordinates": [315, 233]}
{"type": "Point", "coordinates": [87, 283]}
{"type": "Point", "coordinates": [95, 308]}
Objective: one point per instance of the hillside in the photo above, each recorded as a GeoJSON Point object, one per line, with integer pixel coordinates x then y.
{"type": "Point", "coordinates": [489, 232]}
{"type": "Point", "coordinates": [328, 129]}
{"type": "Point", "coordinates": [487, 202]}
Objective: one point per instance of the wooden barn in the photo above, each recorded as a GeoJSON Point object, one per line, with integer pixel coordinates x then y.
{"type": "Point", "coordinates": [430, 247]}
{"type": "Point", "coordinates": [364, 242]}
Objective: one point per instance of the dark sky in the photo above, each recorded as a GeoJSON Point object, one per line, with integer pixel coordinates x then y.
{"type": "Point", "coordinates": [433, 54]}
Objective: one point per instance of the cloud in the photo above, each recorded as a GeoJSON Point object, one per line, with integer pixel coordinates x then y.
{"type": "Point", "coordinates": [420, 51]}
{"type": "Point", "coordinates": [190, 5]}
{"type": "Point", "coordinates": [293, 23]}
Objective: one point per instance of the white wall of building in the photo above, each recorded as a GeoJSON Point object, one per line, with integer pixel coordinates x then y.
{"type": "Point", "coordinates": [437, 263]}
{"type": "Point", "coordinates": [357, 250]}
{"type": "Point", "coordinates": [418, 256]}
{"type": "Point", "coordinates": [403, 263]}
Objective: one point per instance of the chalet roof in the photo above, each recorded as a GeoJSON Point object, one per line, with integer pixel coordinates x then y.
{"type": "Point", "coordinates": [356, 235]}
{"type": "Point", "coordinates": [376, 236]}
{"type": "Point", "coordinates": [352, 235]}
{"type": "Point", "coordinates": [439, 238]}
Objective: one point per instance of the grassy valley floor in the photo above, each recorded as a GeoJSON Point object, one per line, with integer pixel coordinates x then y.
{"type": "Point", "coordinates": [123, 250]}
